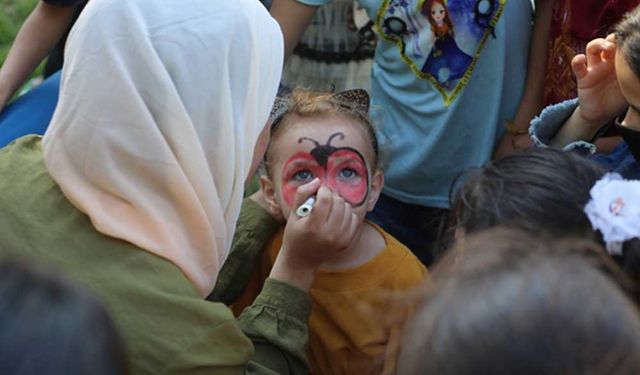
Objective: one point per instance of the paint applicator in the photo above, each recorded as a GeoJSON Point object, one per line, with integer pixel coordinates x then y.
{"type": "Point", "coordinates": [305, 208]}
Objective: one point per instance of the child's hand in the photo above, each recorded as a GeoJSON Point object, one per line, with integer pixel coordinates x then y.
{"type": "Point", "coordinates": [598, 90]}
{"type": "Point", "coordinates": [311, 241]}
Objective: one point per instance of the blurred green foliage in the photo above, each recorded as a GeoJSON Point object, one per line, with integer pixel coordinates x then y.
{"type": "Point", "coordinates": [12, 15]}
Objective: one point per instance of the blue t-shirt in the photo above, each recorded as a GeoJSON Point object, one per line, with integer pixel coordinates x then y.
{"type": "Point", "coordinates": [444, 81]}
{"type": "Point", "coordinates": [31, 112]}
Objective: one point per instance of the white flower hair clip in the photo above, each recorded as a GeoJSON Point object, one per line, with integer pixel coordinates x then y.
{"type": "Point", "coordinates": [614, 210]}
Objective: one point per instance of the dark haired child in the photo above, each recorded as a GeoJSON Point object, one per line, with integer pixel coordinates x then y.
{"type": "Point", "coordinates": [49, 325]}
{"type": "Point", "coordinates": [546, 192]}
{"type": "Point", "coordinates": [330, 138]}
{"type": "Point", "coordinates": [543, 191]}
{"type": "Point", "coordinates": [510, 303]}
{"type": "Point", "coordinates": [608, 81]}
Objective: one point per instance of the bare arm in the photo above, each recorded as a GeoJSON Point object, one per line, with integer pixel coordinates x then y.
{"type": "Point", "coordinates": [293, 18]}
{"type": "Point", "coordinates": [531, 103]}
{"type": "Point", "coordinates": [576, 128]}
{"type": "Point", "coordinates": [38, 35]}
{"type": "Point", "coordinates": [532, 99]}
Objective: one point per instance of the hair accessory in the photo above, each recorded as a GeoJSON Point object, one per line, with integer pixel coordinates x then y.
{"type": "Point", "coordinates": [614, 210]}
{"type": "Point", "coordinates": [357, 98]}
{"type": "Point", "coordinates": [280, 107]}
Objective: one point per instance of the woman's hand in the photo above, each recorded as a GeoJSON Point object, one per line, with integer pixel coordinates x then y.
{"type": "Point", "coordinates": [310, 241]}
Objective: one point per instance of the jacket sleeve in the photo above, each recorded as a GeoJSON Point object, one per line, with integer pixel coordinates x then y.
{"type": "Point", "coordinates": [277, 324]}
{"type": "Point", "coordinates": [544, 127]}
{"type": "Point", "coordinates": [254, 229]}
{"type": "Point", "coordinates": [269, 337]}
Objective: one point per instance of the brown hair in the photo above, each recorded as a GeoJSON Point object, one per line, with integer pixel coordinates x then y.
{"type": "Point", "coordinates": [628, 39]}
{"type": "Point", "coordinates": [510, 303]}
{"type": "Point", "coordinates": [540, 190]}
{"type": "Point", "coordinates": [306, 104]}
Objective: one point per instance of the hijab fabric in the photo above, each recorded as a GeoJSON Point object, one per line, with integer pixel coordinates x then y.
{"type": "Point", "coordinates": [161, 104]}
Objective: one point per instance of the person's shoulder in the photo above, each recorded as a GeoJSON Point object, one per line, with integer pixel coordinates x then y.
{"type": "Point", "coordinates": [22, 160]}
{"type": "Point", "coordinates": [27, 146]}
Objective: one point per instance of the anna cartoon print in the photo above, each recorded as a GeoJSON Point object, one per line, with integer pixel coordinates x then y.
{"type": "Point", "coordinates": [440, 39]}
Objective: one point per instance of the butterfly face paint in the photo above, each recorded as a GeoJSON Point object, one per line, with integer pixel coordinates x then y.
{"type": "Point", "coordinates": [343, 169]}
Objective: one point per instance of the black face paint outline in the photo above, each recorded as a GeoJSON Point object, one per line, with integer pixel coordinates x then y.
{"type": "Point", "coordinates": [322, 153]}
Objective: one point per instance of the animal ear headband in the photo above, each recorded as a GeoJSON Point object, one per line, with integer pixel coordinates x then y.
{"type": "Point", "coordinates": [356, 100]}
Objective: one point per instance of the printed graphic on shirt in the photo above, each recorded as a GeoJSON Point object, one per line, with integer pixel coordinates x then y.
{"type": "Point", "coordinates": [440, 40]}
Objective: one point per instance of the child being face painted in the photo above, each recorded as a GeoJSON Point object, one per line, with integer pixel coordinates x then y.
{"type": "Point", "coordinates": [329, 137]}
{"type": "Point", "coordinates": [325, 137]}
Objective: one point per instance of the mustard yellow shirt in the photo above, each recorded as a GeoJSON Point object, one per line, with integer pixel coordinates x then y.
{"type": "Point", "coordinates": [354, 325]}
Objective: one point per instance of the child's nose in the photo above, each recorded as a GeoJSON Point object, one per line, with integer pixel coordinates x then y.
{"type": "Point", "coordinates": [330, 183]}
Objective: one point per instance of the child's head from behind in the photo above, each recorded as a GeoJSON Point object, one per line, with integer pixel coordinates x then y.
{"type": "Point", "coordinates": [510, 303]}
{"type": "Point", "coordinates": [542, 191]}
{"type": "Point", "coordinates": [325, 136]}
{"type": "Point", "coordinates": [49, 325]}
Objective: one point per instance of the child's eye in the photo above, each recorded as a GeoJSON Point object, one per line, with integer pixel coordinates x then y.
{"type": "Point", "coordinates": [303, 175]}
{"type": "Point", "coordinates": [348, 173]}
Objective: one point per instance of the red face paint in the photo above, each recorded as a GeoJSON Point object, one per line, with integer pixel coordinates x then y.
{"type": "Point", "coordinates": [342, 169]}
{"type": "Point", "coordinates": [347, 175]}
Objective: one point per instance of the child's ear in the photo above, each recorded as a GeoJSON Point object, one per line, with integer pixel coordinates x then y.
{"type": "Point", "coordinates": [377, 182]}
{"type": "Point", "coordinates": [268, 190]}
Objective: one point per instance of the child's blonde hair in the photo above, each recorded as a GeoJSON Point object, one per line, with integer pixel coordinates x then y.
{"type": "Point", "coordinates": [352, 105]}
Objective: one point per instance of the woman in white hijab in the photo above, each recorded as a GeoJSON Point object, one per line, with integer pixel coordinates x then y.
{"type": "Point", "coordinates": [137, 184]}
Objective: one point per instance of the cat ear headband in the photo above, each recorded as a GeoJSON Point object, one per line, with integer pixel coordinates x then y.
{"type": "Point", "coordinates": [357, 100]}
{"type": "Point", "coordinates": [614, 210]}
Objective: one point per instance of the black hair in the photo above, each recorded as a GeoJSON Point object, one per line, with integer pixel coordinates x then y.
{"type": "Point", "coordinates": [542, 191]}
{"type": "Point", "coordinates": [49, 325]}
{"type": "Point", "coordinates": [627, 34]}
{"type": "Point", "coordinates": [512, 303]}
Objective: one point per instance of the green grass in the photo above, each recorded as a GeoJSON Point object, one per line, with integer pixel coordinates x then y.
{"type": "Point", "coordinates": [12, 15]}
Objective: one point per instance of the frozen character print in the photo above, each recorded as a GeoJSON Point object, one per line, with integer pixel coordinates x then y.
{"type": "Point", "coordinates": [446, 63]}
{"type": "Point", "coordinates": [440, 40]}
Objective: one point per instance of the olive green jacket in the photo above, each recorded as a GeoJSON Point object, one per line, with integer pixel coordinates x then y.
{"type": "Point", "coordinates": [166, 326]}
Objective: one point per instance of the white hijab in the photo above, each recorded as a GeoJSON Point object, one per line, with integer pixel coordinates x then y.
{"type": "Point", "coordinates": [160, 107]}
